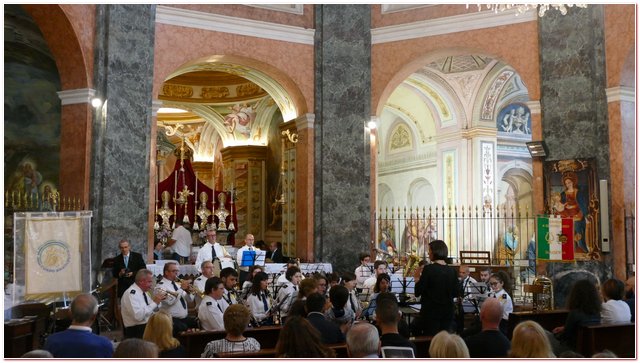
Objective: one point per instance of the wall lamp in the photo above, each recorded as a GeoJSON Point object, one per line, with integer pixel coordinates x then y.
{"type": "Point", "coordinates": [537, 149]}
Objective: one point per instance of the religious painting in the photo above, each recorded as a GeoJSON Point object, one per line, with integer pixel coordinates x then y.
{"type": "Point", "coordinates": [571, 191]}
{"type": "Point", "coordinates": [240, 120]}
{"type": "Point", "coordinates": [514, 119]}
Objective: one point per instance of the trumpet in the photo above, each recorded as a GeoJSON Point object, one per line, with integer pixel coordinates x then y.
{"type": "Point", "coordinates": [190, 289]}
{"type": "Point", "coordinates": [175, 294]}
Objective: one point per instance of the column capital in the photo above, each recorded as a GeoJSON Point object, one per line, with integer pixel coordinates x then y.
{"type": "Point", "coordinates": [76, 96]}
{"type": "Point", "coordinates": [626, 94]}
{"type": "Point", "coordinates": [534, 106]}
{"type": "Point", "coordinates": [306, 121]}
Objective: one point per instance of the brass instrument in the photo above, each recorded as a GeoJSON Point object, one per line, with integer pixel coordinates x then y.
{"type": "Point", "coordinates": [543, 300]}
{"type": "Point", "coordinates": [191, 289]}
{"type": "Point", "coordinates": [412, 263]}
{"type": "Point", "coordinates": [175, 294]}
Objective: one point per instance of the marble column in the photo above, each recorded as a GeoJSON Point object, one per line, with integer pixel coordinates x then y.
{"type": "Point", "coordinates": [342, 109]}
{"type": "Point", "coordinates": [574, 111]}
{"type": "Point", "coordinates": [304, 187]}
{"type": "Point", "coordinates": [122, 129]}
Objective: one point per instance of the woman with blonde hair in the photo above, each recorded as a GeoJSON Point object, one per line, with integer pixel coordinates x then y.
{"type": "Point", "coordinates": [530, 341]}
{"type": "Point", "coordinates": [445, 345]}
{"type": "Point", "coordinates": [159, 331]}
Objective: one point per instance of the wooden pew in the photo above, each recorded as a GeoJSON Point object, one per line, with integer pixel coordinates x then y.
{"type": "Point", "coordinates": [422, 345]}
{"type": "Point", "coordinates": [618, 338]}
{"type": "Point", "coordinates": [194, 342]}
{"type": "Point", "coordinates": [547, 319]}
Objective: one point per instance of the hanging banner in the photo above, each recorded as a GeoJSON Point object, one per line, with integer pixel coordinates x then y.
{"type": "Point", "coordinates": [555, 239]}
{"type": "Point", "coordinates": [52, 256]}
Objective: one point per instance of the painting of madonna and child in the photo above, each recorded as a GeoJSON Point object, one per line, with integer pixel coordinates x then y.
{"type": "Point", "coordinates": [571, 191]}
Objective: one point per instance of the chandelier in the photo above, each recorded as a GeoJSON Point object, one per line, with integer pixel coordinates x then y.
{"type": "Point", "coordinates": [523, 8]}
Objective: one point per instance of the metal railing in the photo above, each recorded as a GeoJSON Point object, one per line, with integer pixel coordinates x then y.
{"type": "Point", "coordinates": [508, 234]}
{"type": "Point", "coordinates": [19, 201]}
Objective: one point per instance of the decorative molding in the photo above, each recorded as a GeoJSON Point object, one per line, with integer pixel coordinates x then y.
{"type": "Point", "coordinates": [76, 96]}
{"type": "Point", "coordinates": [534, 107]}
{"type": "Point", "coordinates": [411, 163]}
{"type": "Point", "coordinates": [448, 25]}
{"type": "Point", "coordinates": [228, 24]}
{"type": "Point", "coordinates": [297, 9]}
{"type": "Point", "coordinates": [625, 94]}
{"type": "Point", "coordinates": [306, 121]}
{"type": "Point", "coordinates": [394, 8]}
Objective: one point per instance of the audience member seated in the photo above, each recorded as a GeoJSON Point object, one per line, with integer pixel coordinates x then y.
{"type": "Point", "coordinates": [383, 282]}
{"type": "Point", "coordinates": [323, 283]}
{"type": "Point", "coordinates": [316, 305]}
{"type": "Point", "coordinates": [299, 339]}
{"type": "Point", "coordinates": [136, 348]}
{"type": "Point", "coordinates": [306, 288]}
{"type": "Point", "coordinates": [570, 354]}
{"type": "Point", "coordinates": [500, 284]}
{"type": "Point", "coordinates": [236, 320]}
{"type": "Point", "coordinates": [158, 331]}
{"type": "Point", "coordinates": [630, 296]}
{"type": "Point", "coordinates": [339, 313]}
{"type": "Point", "coordinates": [490, 342]}
{"type": "Point", "coordinates": [445, 345]}
{"type": "Point", "coordinates": [614, 309]}
{"type": "Point", "coordinates": [37, 353]}
{"type": "Point", "coordinates": [606, 354]}
{"type": "Point", "coordinates": [530, 341]}
{"type": "Point", "coordinates": [78, 341]}
{"type": "Point", "coordinates": [584, 307]}
{"type": "Point", "coordinates": [333, 279]}
{"type": "Point", "coordinates": [363, 341]}
{"type": "Point", "coordinates": [387, 317]}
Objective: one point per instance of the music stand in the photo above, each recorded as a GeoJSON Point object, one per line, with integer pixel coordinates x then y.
{"type": "Point", "coordinates": [402, 286]}
{"type": "Point", "coordinates": [251, 258]}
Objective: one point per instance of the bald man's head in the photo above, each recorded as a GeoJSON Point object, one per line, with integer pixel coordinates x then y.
{"type": "Point", "coordinates": [491, 313]}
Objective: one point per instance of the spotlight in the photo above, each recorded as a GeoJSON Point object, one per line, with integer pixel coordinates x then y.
{"type": "Point", "coordinates": [537, 149]}
{"type": "Point", "coordinates": [371, 125]}
{"type": "Point", "coordinates": [96, 102]}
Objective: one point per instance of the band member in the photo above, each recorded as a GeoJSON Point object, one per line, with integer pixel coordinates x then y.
{"type": "Point", "coordinates": [138, 304]}
{"type": "Point", "coordinates": [175, 304]}
{"type": "Point", "coordinates": [248, 246]}
{"type": "Point", "coordinates": [364, 271]}
{"type": "Point", "coordinates": [126, 265]}
{"type": "Point", "coordinates": [199, 283]}
{"type": "Point", "coordinates": [229, 277]}
{"type": "Point", "coordinates": [213, 306]}
{"type": "Point", "coordinates": [288, 292]}
{"type": "Point", "coordinates": [259, 300]}
{"type": "Point", "coordinates": [210, 250]}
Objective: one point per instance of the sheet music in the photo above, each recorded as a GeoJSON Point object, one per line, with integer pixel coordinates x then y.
{"type": "Point", "coordinates": [400, 284]}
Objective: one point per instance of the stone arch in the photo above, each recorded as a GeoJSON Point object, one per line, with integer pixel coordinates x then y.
{"type": "Point", "coordinates": [276, 83]}
{"type": "Point", "coordinates": [421, 194]}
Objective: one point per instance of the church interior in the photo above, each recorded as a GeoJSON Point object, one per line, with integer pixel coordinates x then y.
{"type": "Point", "coordinates": [333, 130]}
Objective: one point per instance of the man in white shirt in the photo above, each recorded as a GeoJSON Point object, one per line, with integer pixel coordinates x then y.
{"type": "Point", "coordinates": [199, 282]}
{"type": "Point", "coordinates": [211, 310]}
{"type": "Point", "coordinates": [210, 250]}
{"type": "Point", "coordinates": [379, 267]}
{"type": "Point", "coordinates": [466, 281]}
{"type": "Point", "coordinates": [138, 304]}
{"type": "Point", "coordinates": [182, 245]}
{"type": "Point", "coordinates": [175, 304]}
{"type": "Point", "coordinates": [363, 272]}
{"type": "Point", "coordinates": [248, 246]}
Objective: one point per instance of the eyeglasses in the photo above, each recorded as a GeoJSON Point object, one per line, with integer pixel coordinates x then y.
{"type": "Point", "coordinates": [493, 283]}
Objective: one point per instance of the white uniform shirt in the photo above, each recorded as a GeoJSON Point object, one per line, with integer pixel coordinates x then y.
{"type": "Point", "coordinates": [210, 314]}
{"type": "Point", "coordinates": [467, 288]}
{"type": "Point", "coordinates": [172, 305]}
{"type": "Point", "coordinates": [505, 300]}
{"type": "Point", "coordinates": [199, 284]}
{"type": "Point", "coordinates": [615, 312]}
{"type": "Point", "coordinates": [369, 284]}
{"type": "Point", "coordinates": [183, 241]}
{"type": "Point", "coordinates": [239, 256]}
{"type": "Point", "coordinates": [353, 303]}
{"type": "Point", "coordinates": [135, 310]}
{"type": "Point", "coordinates": [229, 297]}
{"type": "Point", "coordinates": [286, 294]}
{"type": "Point", "coordinates": [256, 305]}
{"type": "Point", "coordinates": [362, 273]}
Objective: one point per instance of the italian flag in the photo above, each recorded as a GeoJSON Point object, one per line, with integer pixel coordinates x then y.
{"type": "Point", "coordinates": [555, 239]}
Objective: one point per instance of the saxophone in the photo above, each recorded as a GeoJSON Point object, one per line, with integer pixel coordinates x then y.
{"type": "Point", "coordinates": [412, 263]}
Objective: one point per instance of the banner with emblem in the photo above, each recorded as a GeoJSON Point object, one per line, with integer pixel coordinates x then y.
{"type": "Point", "coordinates": [555, 239]}
{"type": "Point", "coordinates": [53, 255]}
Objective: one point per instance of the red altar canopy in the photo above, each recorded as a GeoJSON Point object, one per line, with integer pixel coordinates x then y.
{"type": "Point", "coordinates": [175, 183]}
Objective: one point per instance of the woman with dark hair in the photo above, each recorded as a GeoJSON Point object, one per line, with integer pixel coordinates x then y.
{"type": "Point", "coordinates": [349, 281]}
{"type": "Point", "coordinates": [299, 339]}
{"type": "Point", "coordinates": [306, 288]}
{"type": "Point", "coordinates": [614, 309]}
{"type": "Point", "coordinates": [289, 291]}
{"type": "Point", "coordinates": [259, 299]}
{"type": "Point", "coordinates": [499, 284]}
{"type": "Point", "coordinates": [246, 286]}
{"type": "Point", "coordinates": [383, 284]}
{"type": "Point", "coordinates": [584, 306]}
{"type": "Point", "coordinates": [437, 283]}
